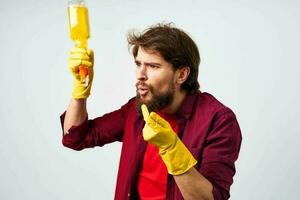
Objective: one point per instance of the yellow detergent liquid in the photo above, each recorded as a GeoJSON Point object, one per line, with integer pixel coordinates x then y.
{"type": "Point", "coordinates": [79, 29]}
{"type": "Point", "coordinates": [79, 23]}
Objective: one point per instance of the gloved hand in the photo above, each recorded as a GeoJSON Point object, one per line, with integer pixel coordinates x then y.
{"type": "Point", "coordinates": [157, 131]}
{"type": "Point", "coordinates": [81, 64]}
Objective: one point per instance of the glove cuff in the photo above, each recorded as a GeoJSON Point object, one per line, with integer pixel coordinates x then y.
{"type": "Point", "coordinates": [178, 159]}
{"type": "Point", "coordinates": [80, 90]}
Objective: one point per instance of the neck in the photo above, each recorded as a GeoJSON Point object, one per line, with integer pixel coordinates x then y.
{"type": "Point", "coordinates": [179, 97]}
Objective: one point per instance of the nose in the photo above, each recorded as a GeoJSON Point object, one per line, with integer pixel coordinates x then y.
{"type": "Point", "coordinates": [141, 73]}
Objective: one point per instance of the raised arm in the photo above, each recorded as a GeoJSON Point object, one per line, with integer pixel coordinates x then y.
{"type": "Point", "coordinates": [76, 114]}
{"type": "Point", "coordinates": [81, 66]}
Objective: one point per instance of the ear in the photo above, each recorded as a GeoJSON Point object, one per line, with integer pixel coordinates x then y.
{"type": "Point", "coordinates": [182, 74]}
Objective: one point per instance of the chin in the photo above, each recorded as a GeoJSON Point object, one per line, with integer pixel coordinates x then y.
{"type": "Point", "coordinates": [144, 99]}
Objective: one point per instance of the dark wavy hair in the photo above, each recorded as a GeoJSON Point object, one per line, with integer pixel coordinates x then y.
{"type": "Point", "coordinates": [174, 45]}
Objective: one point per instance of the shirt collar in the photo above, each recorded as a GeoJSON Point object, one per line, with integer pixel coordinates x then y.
{"type": "Point", "coordinates": [186, 108]}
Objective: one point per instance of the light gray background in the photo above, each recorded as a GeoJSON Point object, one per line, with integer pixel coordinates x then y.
{"type": "Point", "coordinates": [250, 62]}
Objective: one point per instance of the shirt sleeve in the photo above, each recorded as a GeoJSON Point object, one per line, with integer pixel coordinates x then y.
{"type": "Point", "coordinates": [96, 132]}
{"type": "Point", "coordinates": [220, 153]}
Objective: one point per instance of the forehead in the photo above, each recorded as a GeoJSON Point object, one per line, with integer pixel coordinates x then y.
{"type": "Point", "coordinates": [148, 55]}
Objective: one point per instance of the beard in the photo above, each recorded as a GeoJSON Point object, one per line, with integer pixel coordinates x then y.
{"type": "Point", "coordinates": [159, 100]}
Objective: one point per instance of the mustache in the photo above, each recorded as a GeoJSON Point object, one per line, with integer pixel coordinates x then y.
{"type": "Point", "coordinates": [141, 84]}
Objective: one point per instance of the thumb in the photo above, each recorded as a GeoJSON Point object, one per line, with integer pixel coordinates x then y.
{"type": "Point", "coordinates": [90, 52]}
{"type": "Point", "coordinates": [145, 112]}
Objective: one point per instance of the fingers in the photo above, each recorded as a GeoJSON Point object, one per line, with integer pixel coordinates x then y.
{"type": "Point", "coordinates": [80, 53]}
{"type": "Point", "coordinates": [158, 119]}
{"type": "Point", "coordinates": [145, 112]}
{"type": "Point", "coordinates": [153, 119]}
{"type": "Point", "coordinates": [87, 63]}
{"type": "Point", "coordinates": [78, 50]}
{"type": "Point", "coordinates": [150, 121]}
{"type": "Point", "coordinates": [80, 56]}
{"type": "Point", "coordinates": [74, 64]}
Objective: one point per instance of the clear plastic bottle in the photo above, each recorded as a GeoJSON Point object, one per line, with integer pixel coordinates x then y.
{"type": "Point", "coordinates": [79, 22]}
{"type": "Point", "coordinates": [79, 30]}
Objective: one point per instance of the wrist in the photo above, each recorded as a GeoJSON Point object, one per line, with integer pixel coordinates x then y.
{"type": "Point", "coordinates": [80, 90]}
{"type": "Point", "coordinates": [178, 159]}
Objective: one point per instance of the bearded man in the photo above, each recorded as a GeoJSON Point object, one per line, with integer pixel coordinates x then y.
{"type": "Point", "coordinates": [177, 142]}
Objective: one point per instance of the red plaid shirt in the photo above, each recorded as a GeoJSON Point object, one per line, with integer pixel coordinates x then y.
{"type": "Point", "coordinates": [208, 129]}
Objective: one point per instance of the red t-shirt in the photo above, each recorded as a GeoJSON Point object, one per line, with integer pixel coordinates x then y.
{"type": "Point", "coordinates": [152, 182]}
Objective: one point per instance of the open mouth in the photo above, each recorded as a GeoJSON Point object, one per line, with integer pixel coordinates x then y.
{"type": "Point", "coordinates": [143, 91]}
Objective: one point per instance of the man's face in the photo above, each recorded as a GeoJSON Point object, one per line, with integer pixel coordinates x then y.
{"type": "Point", "coordinates": [155, 85]}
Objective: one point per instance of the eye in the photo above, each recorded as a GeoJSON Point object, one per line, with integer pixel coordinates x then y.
{"type": "Point", "coordinates": [137, 64]}
{"type": "Point", "coordinates": [154, 66]}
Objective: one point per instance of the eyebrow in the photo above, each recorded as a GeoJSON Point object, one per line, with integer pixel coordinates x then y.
{"type": "Point", "coordinates": [148, 63]}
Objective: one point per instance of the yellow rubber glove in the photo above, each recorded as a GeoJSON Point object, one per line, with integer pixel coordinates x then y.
{"type": "Point", "coordinates": [157, 131]}
{"type": "Point", "coordinates": [81, 64]}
